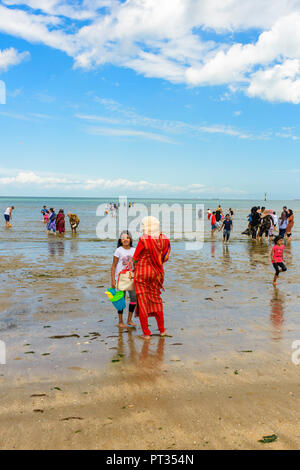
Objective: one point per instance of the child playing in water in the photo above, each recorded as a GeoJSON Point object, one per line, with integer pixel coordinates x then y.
{"type": "Point", "coordinates": [228, 226]}
{"type": "Point", "coordinates": [277, 257]}
{"type": "Point", "coordinates": [8, 216]}
{"type": "Point", "coordinates": [122, 256]}
{"type": "Point", "coordinates": [46, 217]}
{"type": "Point", "coordinates": [213, 224]}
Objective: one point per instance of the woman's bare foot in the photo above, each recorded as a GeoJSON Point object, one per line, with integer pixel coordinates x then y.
{"type": "Point", "coordinates": [144, 337]}
{"type": "Point", "coordinates": [130, 323]}
{"type": "Point", "coordinates": [163, 334]}
{"type": "Point", "coordinates": [122, 325]}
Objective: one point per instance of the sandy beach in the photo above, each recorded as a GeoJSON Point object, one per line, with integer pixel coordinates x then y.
{"type": "Point", "coordinates": [147, 404]}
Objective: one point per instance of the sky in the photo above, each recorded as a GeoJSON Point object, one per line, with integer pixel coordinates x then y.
{"type": "Point", "coordinates": [150, 98]}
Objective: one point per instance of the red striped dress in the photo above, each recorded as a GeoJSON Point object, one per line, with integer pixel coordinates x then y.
{"type": "Point", "coordinates": [149, 256]}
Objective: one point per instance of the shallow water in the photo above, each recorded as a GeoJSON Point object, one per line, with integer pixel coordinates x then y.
{"type": "Point", "coordinates": [218, 300]}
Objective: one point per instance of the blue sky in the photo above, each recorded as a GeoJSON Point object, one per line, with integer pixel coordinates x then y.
{"type": "Point", "coordinates": [150, 98]}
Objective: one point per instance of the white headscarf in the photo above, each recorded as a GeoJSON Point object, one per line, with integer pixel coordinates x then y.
{"type": "Point", "coordinates": [151, 226]}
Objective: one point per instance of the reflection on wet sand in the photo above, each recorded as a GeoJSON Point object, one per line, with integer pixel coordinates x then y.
{"type": "Point", "coordinates": [226, 256]}
{"type": "Point", "coordinates": [258, 253]}
{"type": "Point", "coordinates": [74, 243]}
{"type": "Point", "coordinates": [150, 357]}
{"type": "Point", "coordinates": [56, 247]}
{"type": "Point", "coordinates": [212, 249]}
{"type": "Point", "coordinates": [277, 315]}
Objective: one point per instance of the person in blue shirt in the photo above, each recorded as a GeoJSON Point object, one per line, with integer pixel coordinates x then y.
{"type": "Point", "coordinates": [44, 212]}
{"type": "Point", "coordinates": [228, 226]}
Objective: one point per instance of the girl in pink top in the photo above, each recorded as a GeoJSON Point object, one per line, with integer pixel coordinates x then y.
{"type": "Point", "coordinates": [277, 257]}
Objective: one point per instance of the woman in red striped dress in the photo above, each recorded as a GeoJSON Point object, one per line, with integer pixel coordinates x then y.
{"type": "Point", "coordinates": [152, 251]}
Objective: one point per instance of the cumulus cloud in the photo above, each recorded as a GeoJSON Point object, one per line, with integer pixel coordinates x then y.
{"type": "Point", "coordinates": [32, 179]}
{"type": "Point", "coordinates": [278, 83]}
{"type": "Point", "coordinates": [10, 57]}
{"type": "Point", "coordinates": [169, 39]}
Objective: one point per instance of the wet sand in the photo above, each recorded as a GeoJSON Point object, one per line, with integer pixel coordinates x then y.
{"type": "Point", "coordinates": [222, 380]}
{"type": "Point", "coordinates": [147, 404]}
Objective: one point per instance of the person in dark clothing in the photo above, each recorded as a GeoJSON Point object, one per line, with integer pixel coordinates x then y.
{"type": "Point", "coordinates": [266, 224]}
{"type": "Point", "coordinates": [218, 214]}
{"type": "Point", "coordinates": [227, 224]}
{"type": "Point", "coordinates": [255, 221]}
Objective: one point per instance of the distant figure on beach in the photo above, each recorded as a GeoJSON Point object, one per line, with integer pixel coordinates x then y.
{"type": "Point", "coordinates": [273, 223]}
{"type": "Point", "coordinates": [255, 221]}
{"type": "Point", "coordinates": [277, 258]}
{"type": "Point", "coordinates": [44, 211]}
{"type": "Point", "coordinates": [213, 224]}
{"type": "Point", "coordinates": [122, 256]}
{"type": "Point", "coordinates": [218, 214]}
{"type": "Point", "coordinates": [283, 222]}
{"type": "Point", "coordinates": [151, 253]}
{"type": "Point", "coordinates": [46, 217]}
{"type": "Point", "coordinates": [74, 221]}
{"type": "Point", "coordinates": [60, 222]}
{"type": "Point", "coordinates": [266, 224]}
{"type": "Point", "coordinates": [8, 216]}
{"type": "Point", "coordinates": [209, 214]}
{"type": "Point", "coordinates": [290, 225]}
{"type": "Point", "coordinates": [228, 226]}
{"type": "Point", "coordinates": [231, 213]}
{"type": "Point", "coordinates": [52, 222]}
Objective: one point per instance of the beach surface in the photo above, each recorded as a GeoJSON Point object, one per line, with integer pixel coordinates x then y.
{"type": "Point", "coordinates": [222, 379]}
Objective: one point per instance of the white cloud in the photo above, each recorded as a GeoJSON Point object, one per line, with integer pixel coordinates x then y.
{"type": "Point", "coordinates": [278, 83]}
{"type": "Point", "coordinates": [168, 39]}
{"type": "Point", "coordinates": [32, 179]}
{"type": "Point", "coordinates": [25, 117]}
{"type": "Point", "coordinates": [106, 131]}
{"type": "Point", "coordinates": [10, 57]}
{"type": "Point", "coordinates": [21, 117]}
{"type": "Point", "coordinates": [130, 117]}
{"type": "Point", "coordinates": [104, 119]}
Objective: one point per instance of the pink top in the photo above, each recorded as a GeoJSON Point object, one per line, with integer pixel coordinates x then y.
{"type": "Point", "coordinates": [277, 253]}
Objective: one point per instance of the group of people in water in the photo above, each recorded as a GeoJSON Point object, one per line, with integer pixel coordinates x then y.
{"type": "Point", "coordinates": [112, 208]}
{"type": "Point", "coordinates": [56, 222]}
{"type": "Point", "coordinates": [220, 221]}
{"type": "Point", "coordinates": [264, 222]}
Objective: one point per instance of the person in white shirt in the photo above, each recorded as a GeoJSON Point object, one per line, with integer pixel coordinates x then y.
{"type": "Point", "coordinates": [122, 256]}
{"type": "Point", "coordinates": [8, 216]}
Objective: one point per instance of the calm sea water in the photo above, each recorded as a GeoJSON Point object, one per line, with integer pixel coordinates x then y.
{"type": "Point", "coordinates": [29, 231]}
